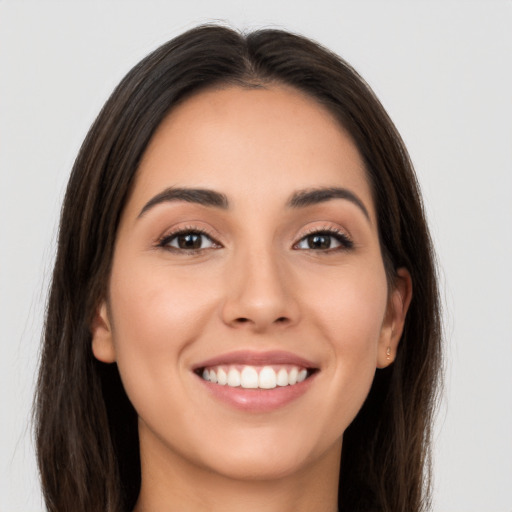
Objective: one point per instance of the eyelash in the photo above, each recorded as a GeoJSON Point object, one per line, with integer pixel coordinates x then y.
{"type": "Point", "coordinates": [341, 237]}
{"type": "Point", "coordinates": [168, 238]}
{"type": "Point", "coordinates": [345, 242]}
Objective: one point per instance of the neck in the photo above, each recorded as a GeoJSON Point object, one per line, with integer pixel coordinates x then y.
{"type": "Point", "coordinates": [174, 485]}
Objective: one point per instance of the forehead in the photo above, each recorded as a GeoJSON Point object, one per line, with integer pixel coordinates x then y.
{"type": "Point", "coordinates": [252, 142]}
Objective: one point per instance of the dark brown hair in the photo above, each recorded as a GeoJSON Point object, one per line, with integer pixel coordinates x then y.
{"type": "Point", "coordinates": [86, 428]}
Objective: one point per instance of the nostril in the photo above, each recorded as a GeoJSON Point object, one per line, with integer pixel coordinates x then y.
{"type": "Point", "coordinates": [243, 320]}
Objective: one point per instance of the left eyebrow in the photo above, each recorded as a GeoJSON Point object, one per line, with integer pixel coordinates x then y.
{"type": "Point", "coordinates": [200, 196]}
{"type": "Point", "coordinates": [309, 197]}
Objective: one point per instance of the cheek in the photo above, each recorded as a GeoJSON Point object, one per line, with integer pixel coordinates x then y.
{"type": "Point", "coordinates": [156, 306]}
{"type": "Point", "coordinates": [349, 305]}
{"type": "Point", "coordinates": [156, 316]}
{"type": "Point", "coordinates": [348, 311]}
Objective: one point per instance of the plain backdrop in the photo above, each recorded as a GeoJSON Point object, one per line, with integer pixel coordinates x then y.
{"type": "Point", "coordinates": [442, 70]}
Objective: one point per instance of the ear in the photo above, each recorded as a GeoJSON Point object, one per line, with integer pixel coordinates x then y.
{"type": "Point", "coordinates": [102, 339]}
{"type": "Point", "coordinates": [393, 325]}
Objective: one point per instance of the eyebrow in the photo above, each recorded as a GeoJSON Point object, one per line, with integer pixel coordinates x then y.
{"type": "Point", "coordinates": [304, 198]}
{"type": "Point", "coordinates": [200, 196]}
{"type": "Point", "coordinates": [211, 198]}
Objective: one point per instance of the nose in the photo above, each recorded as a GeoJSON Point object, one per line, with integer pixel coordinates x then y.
{"type": "Point", "coordinates": [259, 293]}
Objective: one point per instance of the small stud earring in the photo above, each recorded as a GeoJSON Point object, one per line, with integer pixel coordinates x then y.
{"type": "Point", "coordinates": [388, 353]}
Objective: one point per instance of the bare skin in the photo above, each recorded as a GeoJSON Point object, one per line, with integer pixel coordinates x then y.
{"type": "Point", "coordinates": [258, 264]}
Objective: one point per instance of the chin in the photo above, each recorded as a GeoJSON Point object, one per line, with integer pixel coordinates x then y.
{"type": "Point", "coordinates": [252, 466]}
{"type": "Point", "coordinates": [268, 455]}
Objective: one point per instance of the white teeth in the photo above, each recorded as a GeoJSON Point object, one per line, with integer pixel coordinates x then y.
{"type": "Point", "coordinates": [233, 378]}
{"type": "Point", "coordinates": [282, 377]}
{"type": "Point", "coordinates": [267, 378]}
{"type": "Point", "coordinates": [251, 377]}
{"type": "Point", "coordinates": [292, 376]}
{"type": "Point", "coordinates": [222, 377]}
{"type": "Point", "coordinates": [302, 375]}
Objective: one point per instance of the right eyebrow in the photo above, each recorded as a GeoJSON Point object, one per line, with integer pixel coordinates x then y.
{"type": "Point", "coordinates": [308, 197]}
{"type": "Point", "coordinates": [202, 196]}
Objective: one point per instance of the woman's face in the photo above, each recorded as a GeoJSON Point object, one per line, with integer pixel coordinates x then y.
{"type": "Point", "coordinates": [248, 252]}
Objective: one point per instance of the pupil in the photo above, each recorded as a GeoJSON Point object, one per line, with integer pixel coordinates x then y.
{"type": "Point", "coordinates": [189, 241]}
{"type": "Point", "coordinates": [319, 241]}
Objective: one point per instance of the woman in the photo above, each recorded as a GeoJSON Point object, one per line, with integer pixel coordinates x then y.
{"type": "Point", "coordinates": [242, 244]}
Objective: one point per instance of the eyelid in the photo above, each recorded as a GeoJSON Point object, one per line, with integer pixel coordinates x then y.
{"type": "Point", "coordinates": [341, 235]}
{"type": "Point", "coordinates": [163, 240]}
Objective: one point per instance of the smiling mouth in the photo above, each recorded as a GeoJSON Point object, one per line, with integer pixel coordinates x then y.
{"type": "Point", "coordinates": [255, 377]}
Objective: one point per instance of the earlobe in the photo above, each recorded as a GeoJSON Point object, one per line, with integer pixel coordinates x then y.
{"type": "Point", "coordinates": [102, 339]}
{"type": "Point", "coordinates": [393, 325]}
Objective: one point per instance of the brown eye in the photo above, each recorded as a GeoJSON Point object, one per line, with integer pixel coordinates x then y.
{"type": "Point", "coordinates": [318, 241]}
{"type": "Point", "coordinates": [324, 241]}
{"type": "Point", "coordinates": [188, 241]}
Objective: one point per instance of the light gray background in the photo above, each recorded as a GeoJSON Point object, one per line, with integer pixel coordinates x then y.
{"type": "Point", "coordinates": [443, 71]}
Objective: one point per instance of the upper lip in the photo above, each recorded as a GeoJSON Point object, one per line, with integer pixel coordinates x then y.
{"type": "Point", "coordinates": [253, 358]}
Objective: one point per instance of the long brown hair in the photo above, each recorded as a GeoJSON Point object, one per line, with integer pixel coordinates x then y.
{"type": "Point", "coordinates": [86, 428]}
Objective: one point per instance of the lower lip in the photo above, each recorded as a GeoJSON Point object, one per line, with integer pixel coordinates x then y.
{"type": "Point", "coordinates": [258, 400]}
